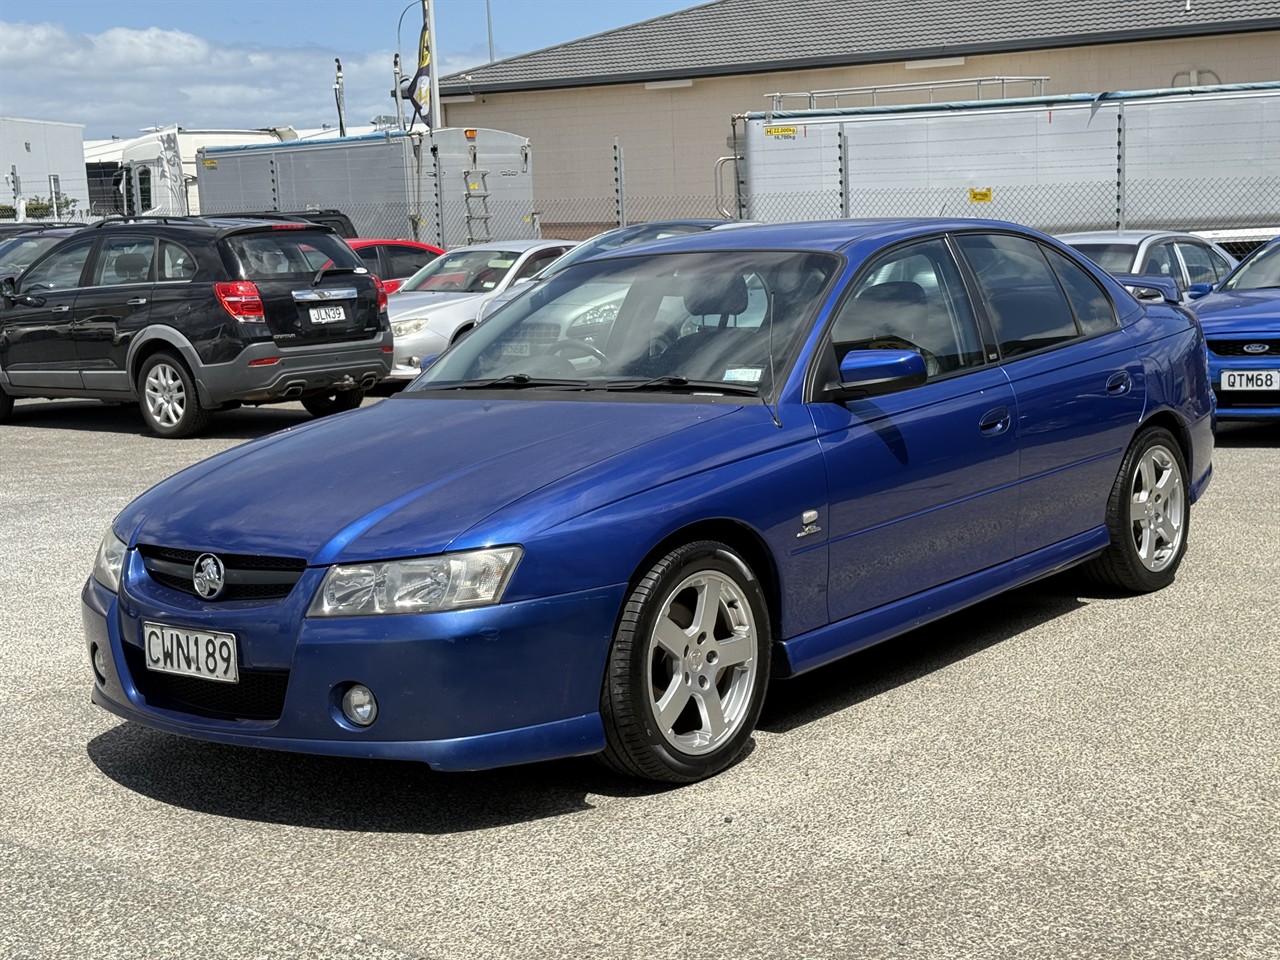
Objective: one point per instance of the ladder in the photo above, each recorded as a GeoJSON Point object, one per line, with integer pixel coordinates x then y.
{"type": "Point", "coordinates": [476, 200]}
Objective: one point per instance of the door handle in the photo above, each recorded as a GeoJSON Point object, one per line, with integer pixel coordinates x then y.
{"type": "Point", "coordinates": [995, 422]}
{"type": "Point", "coordinates": [62, 308]}
{"type": "Point", "coordinates": [1119, 384]}
{"type": "Point", "coordinates": [136, 301]}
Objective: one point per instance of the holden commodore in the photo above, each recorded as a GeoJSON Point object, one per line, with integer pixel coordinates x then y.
{"type": "Point", "coordinates": [787, 444]}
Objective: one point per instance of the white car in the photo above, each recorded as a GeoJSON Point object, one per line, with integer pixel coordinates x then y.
{"type": "Point", "coordinates": [443, 300]}
{"type": "Point", "coordinates": [1182, 257]}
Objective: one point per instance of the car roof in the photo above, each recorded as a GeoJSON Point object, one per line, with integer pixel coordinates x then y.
{"type": "Point", "coordinates": [515, 246]}
{"type": "Point", "coordinates": [817, 235]}
{"type": "Point", "coordinates": [1133, 237]}
{"type": "Point", "coordinates": [356, 242]}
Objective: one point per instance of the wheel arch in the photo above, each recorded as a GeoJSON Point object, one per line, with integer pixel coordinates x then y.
{"type": "Point", "coordinates": [740, 538]}
{"type": "Point", "coordinates": [155, 340]}
{"type": "Point", "coordinates": [1170, 421]}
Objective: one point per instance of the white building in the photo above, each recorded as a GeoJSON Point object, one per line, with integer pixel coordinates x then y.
{"type": "Point", "coordinates": [41, 158]}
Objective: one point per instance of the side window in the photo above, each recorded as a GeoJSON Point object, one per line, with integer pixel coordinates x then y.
{"type": "Point", "coordinates": [913, 299]}
{"type": "Point", "coordinates": [1021, 292]}
{"type": "Point", "coordinates": [1221, 265]}
{"type": "Point", "coordinates": [406, 261]}
{"type": "Point", "coordinates": [60, 270]}
{"type": "Point", "coordinates": [1199, 266]}
{"type": "Point", "coordinates": [123, 260]}
{"type": "Point", "coordinates": [176, 262]}
{"type": "Point", "coordinates": [1093, 307]}
{"type": "Point", "coordinates": [1162, 263]}
{"type": "Point", "coordinates": [537, 262]}
{"type": "Point", "coordinates": [369, 257]}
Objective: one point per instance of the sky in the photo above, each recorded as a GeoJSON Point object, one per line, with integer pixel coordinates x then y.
{"type": "Point", "coordinates": [119, 66]}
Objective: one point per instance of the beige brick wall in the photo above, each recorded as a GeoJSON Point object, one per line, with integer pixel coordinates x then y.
{"type": "Point", "coordinates": [672, 136]}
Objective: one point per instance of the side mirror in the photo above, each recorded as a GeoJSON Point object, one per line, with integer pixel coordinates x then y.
{"type": "Point", "coordinates": [9, 288]}
{"type": "Point", "coordinates": [428, 361]}
{"type": "Point", "coordinates": [1198, 290]}
{"type": "Point", "coordinates": [871, 373]}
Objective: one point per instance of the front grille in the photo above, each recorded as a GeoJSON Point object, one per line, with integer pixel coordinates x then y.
{"type": "Point", "coordinates": [248, 577]}
{"type": "Point", "coordinates": [258, 696]}
{"type": "Point", "coordinates": [1236, 348]}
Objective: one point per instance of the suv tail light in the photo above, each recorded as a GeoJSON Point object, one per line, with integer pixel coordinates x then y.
{"type": "Point", "coordinates": [382, 291]}
{"type": "Point", "coordinates": [241, 299]}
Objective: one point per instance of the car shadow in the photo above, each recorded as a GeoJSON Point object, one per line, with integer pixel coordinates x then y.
{"type": "Point", "coordinates": [386, 796]}
{"type": "Point", "coordinates": [94, 416]}
{"type": "Point", "coordinates": [794, 702]}
{"type": "Point", "coordinates": [342, 793]}
{"type": "Point", "coordinates": [1247, 435]}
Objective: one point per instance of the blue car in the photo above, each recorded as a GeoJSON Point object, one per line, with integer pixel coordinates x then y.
{"type": "Point", "coordinates": [1241, 320]}
{"type": "Point", "coordinates": [605, 535]}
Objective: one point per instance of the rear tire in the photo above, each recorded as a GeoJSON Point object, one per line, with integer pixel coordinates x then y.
{"type": "Point", "coordinates": [168, 398]}
{"type": "Point", "coordinates": [335, 401]}
{"type": "Point", "coordinates": [1148, 516]}
{"type": "Point", "coordinates": [688, 668]}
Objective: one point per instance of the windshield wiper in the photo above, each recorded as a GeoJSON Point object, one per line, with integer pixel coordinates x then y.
{"type": "Point", "coordinates": [513, 381]}
{"type": "Point", "coordinates": [330, 268]}
{"type": "Point", "coordinates": [675, 381]}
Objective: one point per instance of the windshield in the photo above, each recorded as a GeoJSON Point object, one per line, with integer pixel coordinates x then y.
{"type": "Point", "coordinates": [1259, 272]}
{"type": "Point", "coordinates": [711, 322]}
{"type": "Point", "coordinates": [1111, 257]}
{"type": "Point", "coordinates": [472, 271]}
{"type": "Point", "coordinates": [613, 239]}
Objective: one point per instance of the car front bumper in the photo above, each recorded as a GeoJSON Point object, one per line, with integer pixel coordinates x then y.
{"type": "Point", "coordinates": [464, 690]}
{"type": "Point", "coordinates": [1244, 404]}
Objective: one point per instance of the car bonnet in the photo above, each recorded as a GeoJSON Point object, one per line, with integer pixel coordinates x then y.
{"type": "Point", "coordinates": [401, 478]}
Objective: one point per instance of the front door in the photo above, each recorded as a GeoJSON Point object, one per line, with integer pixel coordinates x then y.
{"type": "Point", "coordinates": [36, 345]}
{"type": "Point", "coordinates": [113, 306]}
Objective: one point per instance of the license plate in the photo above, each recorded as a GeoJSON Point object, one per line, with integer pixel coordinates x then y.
{"type": "Point", "coordinates": [1251, 379]}
{"type": "Point", "coordinates": [516, 349]}
{"type": "Point", "coordinates": [328, 314]}
{"type": "Point", "coordinates": [190, 653]}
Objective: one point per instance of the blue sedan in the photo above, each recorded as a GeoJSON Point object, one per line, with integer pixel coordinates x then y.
{"type": "Point", "coordinates": [605, 533]}
{"type": "Point", "coordinates": [1241, 320]}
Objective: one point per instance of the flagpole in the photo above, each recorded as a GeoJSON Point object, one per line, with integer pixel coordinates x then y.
{"type": "Point", "coordinates": [429, 18]}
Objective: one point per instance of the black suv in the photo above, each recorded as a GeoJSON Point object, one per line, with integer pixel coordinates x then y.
{"type": "Point", "coordinates": [189, 315]}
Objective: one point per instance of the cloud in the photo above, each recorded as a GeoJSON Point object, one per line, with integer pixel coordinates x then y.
{"type": "Point", "coordinates": [122, 80]}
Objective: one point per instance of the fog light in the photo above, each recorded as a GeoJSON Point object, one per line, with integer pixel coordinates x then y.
{"type": "Point", "coordinates": [359, 706]}
{"type": "Point", "coordinates": [99, 664]}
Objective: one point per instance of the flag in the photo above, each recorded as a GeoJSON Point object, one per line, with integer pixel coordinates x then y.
{"type": "Point", "coordinates": [420, 85]}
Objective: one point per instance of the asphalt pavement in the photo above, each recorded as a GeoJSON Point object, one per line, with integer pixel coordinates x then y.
{"type": "Point", "coordinates": [1061, 772]}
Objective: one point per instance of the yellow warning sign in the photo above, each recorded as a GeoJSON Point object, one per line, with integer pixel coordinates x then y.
{"type": "Point", "coordinates": [210, 164]}
{"type": "Point", "coordinates": [979, 194]}
{"type": "Point", "coordinates": [787, 132]}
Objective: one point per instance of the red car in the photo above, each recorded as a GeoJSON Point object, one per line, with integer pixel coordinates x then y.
{"type": "Point", "coordinates": [393, 261]}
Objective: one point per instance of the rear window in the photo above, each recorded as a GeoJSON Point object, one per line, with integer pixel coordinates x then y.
{"type": "Point", "coordinates": [1111, 257]}
{"type": "Point", "coordinates": [272, 254]}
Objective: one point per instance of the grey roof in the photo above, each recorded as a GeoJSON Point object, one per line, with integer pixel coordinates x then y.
{"type": "Point", "coordinates": [754, 36]}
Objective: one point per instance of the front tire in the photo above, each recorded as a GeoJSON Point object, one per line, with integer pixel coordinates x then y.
{"type": "Point", "coordinates": [335, 401]}
{"type": "Point", "coordinates": [688, 668]}
{"type": "Point", "coordinates": [167, 396]}
{"type": "Point", "coordinates": [1148, 515]}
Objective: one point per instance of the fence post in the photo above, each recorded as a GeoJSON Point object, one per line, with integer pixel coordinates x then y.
{"type": "Point", "coordinates": [1121, 213]}
{"type": "Point", "coordinates": [619, 185]}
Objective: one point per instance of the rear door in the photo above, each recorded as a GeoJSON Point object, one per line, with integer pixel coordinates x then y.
{"type": "Point", "coordinates": [113, 306]}
{"type": "Point", "coordinates": [314, 289]}
{"type": "Point", "coordinates": [36, 346]}
{"type": "Point", "coordinates": [1076, 376]}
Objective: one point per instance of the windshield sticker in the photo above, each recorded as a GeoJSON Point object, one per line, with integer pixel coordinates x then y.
{"type": "Point", "coordinates": [743, 374]}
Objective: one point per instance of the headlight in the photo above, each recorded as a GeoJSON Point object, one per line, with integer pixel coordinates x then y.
{"type": "Point", "coordinates": [109, 562]}
{"type": "Point", "coordinates": [421, 585]}
{"type": "Point", "coordinates": [402, 328]}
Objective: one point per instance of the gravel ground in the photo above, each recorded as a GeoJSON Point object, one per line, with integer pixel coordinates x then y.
{"type": "Point", "coordinates": [1057, 773]}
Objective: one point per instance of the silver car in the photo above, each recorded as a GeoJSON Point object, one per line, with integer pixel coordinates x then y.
{"type": "Point", "coordinates": [443, 300]}
{"type": "Point", "coordinates": [1188, 260]}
